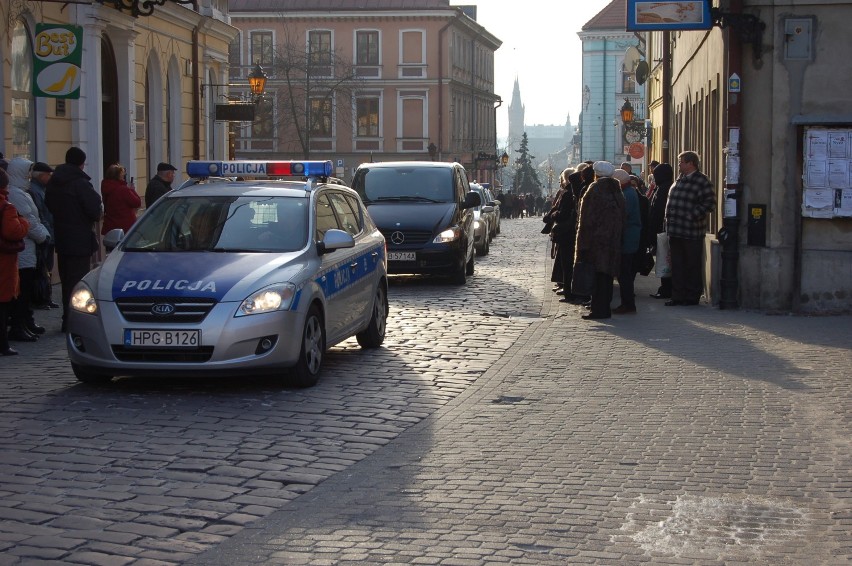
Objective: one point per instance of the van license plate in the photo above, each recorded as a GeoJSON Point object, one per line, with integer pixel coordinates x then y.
{"type": "Point", "coordinates": [162, 338]}
{"type": "Point", "coordinates": [402, 256]}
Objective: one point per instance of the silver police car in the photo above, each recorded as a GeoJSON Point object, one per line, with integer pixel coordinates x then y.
{"type": "Point", "coordinates": [227, 277]}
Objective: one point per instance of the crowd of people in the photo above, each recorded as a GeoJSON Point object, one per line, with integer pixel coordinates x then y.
{"type": "Point", "coordinates": [48, 213]}
{"type": "Point", "coordinates": [521, 205]}
{"type": "Point", "coordinates": [605, 224]}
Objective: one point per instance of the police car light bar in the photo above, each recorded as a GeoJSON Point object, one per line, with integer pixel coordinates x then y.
{"type": "Point", "coordinates": [259, 168]}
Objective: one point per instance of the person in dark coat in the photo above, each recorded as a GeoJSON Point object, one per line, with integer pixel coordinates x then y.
{"type": "Point", "coordinates": [556, 275]}
{"type": "Point", "coordinates": [76, 208]}
{"type": "Point", "coordinates": [160, 184]}
{"type": "Point", "coordinates": [565, 233]}
{"type": "Point", "coordinates": [14, 227]}
{"type": "Point", "coordinates": [663, 179]}
{"type": "Point", "coordinates": [599, 232]}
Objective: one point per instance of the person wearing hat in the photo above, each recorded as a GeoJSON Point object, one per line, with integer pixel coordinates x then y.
{"type": "Point", "coordinates": [38, 182]}
{"type": "Point", "coordinates": [599, 230]}
{"type": "Point", "coordinates": [22, 322]}
{"type": "Point", "coordinates": [160, 184]}
{"type": "Point", "coordinates": [76, 208]}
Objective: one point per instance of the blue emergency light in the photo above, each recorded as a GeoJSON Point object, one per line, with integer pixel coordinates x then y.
{"type": "Point", "coordinates": [257, 169]}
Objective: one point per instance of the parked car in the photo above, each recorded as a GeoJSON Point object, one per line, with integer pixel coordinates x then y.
{"type": "Point", "coordinates": [425, 211]}
{"type": "Point", "coordinates": [483, 221]}
{"type": "Point", "coordinates": [226, 277]}
{"type": "Point", "coordinates": [495, 225]}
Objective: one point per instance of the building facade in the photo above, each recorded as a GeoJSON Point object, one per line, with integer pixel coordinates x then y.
{"type": "Point", "coordinates": [759, 97]}
{"type": "Point", "coordinates": [396, 80]}
{"type": "Point", "coordinates": [134, 96]}
{"type": "Point", "coordinates": [607, 83]}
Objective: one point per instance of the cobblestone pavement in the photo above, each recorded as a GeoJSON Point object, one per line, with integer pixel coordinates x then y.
{"type": "Point", "coordinates": [518, 434]}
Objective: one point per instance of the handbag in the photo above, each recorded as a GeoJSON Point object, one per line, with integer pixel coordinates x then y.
{"type": "Point", "coordinates": [663, 267]}
{"type": "Point", "coordinates": [9, 246]}
{"type": "Point", "coordinates": [583, 278]}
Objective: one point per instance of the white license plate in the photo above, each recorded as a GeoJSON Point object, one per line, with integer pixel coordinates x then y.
{"type": "Point", "coordinates": [402, 256]}
{"type": "Point", "coordinates": [162, 338]}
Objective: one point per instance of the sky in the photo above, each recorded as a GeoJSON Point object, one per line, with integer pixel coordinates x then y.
{"type": "Point", "coordinates": [540, 48]}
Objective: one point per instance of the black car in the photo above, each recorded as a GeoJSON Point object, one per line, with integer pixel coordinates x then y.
{"type": "Point", "coordinates": [425, 211]}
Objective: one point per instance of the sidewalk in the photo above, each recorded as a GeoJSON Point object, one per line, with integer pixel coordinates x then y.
{"type": "Point", "coordinates": [680, 435]}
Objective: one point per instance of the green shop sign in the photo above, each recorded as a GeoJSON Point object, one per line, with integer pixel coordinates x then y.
{"type": "Point", "coordinates": [57, 55]}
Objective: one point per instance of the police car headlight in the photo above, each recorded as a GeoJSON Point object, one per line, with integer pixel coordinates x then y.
{"type": "Point", "coordinates": [83, 300]}
{"type": "Point", "coordinates": [269, 299]}
{"type": "Point", "coordinates": [448, 235]}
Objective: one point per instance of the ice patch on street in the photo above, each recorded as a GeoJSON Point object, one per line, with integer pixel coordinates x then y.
{"type": "Point", "coordinates": [712, 526]}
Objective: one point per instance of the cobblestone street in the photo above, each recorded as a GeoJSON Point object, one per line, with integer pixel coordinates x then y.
{"type": "Point", "coordinates": [520, 434]}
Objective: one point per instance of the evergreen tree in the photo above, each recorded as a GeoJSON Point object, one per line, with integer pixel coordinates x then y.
{"type": "Point", "coordinates": [526, 177]}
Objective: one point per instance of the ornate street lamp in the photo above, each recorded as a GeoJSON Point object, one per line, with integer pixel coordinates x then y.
{"type": "Point", "coordinates": [257, 81]}
{"type": "Point", "coordinates": [627, 112]}
{"type": "Point", "coordinates": [504, 159]}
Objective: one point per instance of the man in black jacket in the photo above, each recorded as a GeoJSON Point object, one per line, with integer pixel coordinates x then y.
{"type": "Point", "coordinates": [76, 208]}
{"type": "Point", "coordinates": [160, 184]}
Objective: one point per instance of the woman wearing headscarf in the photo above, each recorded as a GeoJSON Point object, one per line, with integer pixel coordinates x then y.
{"type": "Point", "coordinates": [23, 325]}
{"type": "Point", "coordinates": [13, 227]}
{"type": "Point", "coordinates": [663, 179]}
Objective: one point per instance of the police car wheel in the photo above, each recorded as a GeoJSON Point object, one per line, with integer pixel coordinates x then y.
{"type": "Point", "coordinates": [374, 334]}
{"type": "Point", "coordinates": [88, 377]}
{"type": "Point", "coordinates": [306, 371]}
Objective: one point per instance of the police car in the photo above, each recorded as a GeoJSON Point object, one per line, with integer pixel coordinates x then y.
{"type": "Point", "coordinates": [227, 277]}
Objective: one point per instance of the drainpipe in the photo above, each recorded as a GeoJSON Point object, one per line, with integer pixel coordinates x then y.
{"type": "Point", "coordinates": [196, 89]}
{"type": "Point", "coordinates": [667, 98]}
{"type": "Point", "coordinates": [441, 33]}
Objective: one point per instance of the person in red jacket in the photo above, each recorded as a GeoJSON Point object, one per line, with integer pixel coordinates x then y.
{"type": "Point", "coordinates": [12, 227]}
{"type": "Point", "coordinates": [120, 199]}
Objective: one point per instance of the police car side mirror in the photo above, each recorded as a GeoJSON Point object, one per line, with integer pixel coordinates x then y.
{"type": "Point", "coordinates": [472, 199]}
{"type": "Point", "coordinates": [113, 238]}
{"type": "Point", "coordinates": [334, 240]}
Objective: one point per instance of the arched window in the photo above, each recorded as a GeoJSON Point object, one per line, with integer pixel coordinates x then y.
{"type": "Point", "coordinates": [23, 105]}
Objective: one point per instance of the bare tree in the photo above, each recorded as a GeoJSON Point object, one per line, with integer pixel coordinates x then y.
{"type": "Point", "coordinates": [315, 89]}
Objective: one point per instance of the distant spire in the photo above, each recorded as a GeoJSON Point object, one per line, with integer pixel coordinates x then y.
{"type": "Point", "coordinates": [516, 115]}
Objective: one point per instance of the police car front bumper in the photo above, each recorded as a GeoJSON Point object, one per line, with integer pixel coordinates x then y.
{"type": "Point", "coordinates": [229, 345]}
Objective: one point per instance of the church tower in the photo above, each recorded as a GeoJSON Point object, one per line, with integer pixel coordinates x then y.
{"type": "Point", "coordinates": [516, 120]}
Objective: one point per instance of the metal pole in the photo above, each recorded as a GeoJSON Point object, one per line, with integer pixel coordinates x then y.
{"type": "Point", "coordinates": [729, 234]}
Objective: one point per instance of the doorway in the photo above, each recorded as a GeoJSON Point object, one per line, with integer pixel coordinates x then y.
{"type": "Point", "coordinates": [109, 106]}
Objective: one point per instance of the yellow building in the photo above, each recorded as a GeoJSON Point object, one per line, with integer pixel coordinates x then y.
{"type": "Point", "coordinates": [128, 87]}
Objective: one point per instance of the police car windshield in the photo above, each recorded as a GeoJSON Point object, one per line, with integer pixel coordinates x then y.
{"type": "Point", "coordinates": [405, 183]}
{"type": "Point", "coordinates": [222, 224]}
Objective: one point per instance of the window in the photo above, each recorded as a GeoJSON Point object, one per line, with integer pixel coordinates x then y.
{"type": "Point", "coordinates": [261, 48]}
{"type": "Point", "coordinates": [262, 126]}
{"type": "Point", "coordinates": [319, 47]}
{"type": "Point", "coordinates": [349, 221]}
{"type": "Point", "coordinates": [368, 117]}
{"type": "Point", "coordinates": [321, 118]}
{"type": "Point", "coordinates": [234, 52]}
{"type": "Point", "coordinates": [23, 121]}
{"type": "Point", "coordinates": [325, 217]}
{"type": "Point", "coordinates": [367, 48]}
{"type": "Point", "coordinates": [628, 81]}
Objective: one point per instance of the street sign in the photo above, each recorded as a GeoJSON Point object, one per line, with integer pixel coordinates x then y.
{"type": "Point", "coordinates": [734, 83]}
{"type": "Point", "coordinates": [636, 150]}
{"type": "Point", "coordinates": [235, 112]}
